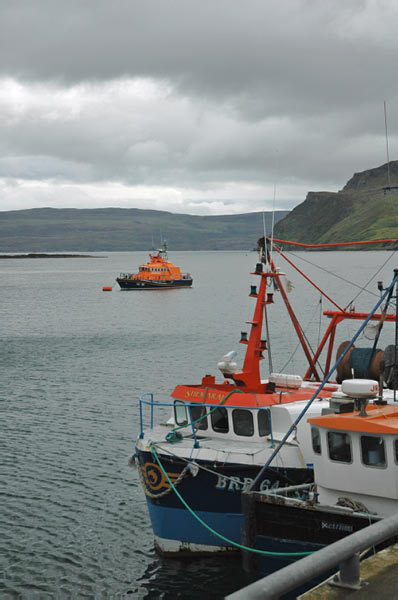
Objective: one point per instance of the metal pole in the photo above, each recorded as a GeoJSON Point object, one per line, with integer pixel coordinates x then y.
{"type": "Point", "coordinates": [395, 367]}
{"type": "Point", "coordinates": [270, 368]}
{"type": "Point", "coordinates": [304, 570]}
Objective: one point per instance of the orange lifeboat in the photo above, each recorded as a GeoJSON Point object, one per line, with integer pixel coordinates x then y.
{"type": "Point", "coordinates": [157, 273]}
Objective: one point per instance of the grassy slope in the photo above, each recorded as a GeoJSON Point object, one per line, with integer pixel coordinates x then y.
{"type": "Point", "coordinates": [47, 229]}
{"type": "Point", "coordinates": [375, 217]}
{"type": "Point", "coordinates": [361, 211]}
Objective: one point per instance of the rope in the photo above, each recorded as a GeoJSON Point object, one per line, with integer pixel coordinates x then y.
{"type": "Point", "coordinates": [219, 535]}
{"type": "Point", "coordinates": [355, 505]}
{"type": "Point", "coordinates": [336, 243]}
{"type": "Point", "coordinates": [224, 475]}
{"type": "Point", "coordinates": [144, 485]}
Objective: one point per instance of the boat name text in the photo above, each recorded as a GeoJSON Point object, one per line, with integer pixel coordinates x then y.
{"type": "Point", "coordinates": [200, 394]}
{"type": "Point", "coordinates": [237, 484]}
{"type": "Point", "coordinates": [337, 526]}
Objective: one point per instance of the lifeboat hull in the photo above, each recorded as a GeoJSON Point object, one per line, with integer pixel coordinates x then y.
{"type": "Point", "coordinates": [140, 284]}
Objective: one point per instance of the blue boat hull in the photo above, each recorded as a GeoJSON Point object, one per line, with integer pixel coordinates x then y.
{"type": "Point", "coordinates": [213, 495]}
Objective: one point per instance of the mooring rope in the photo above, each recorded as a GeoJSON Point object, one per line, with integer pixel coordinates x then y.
{"type": "Point", "coordinates": [219, 535]}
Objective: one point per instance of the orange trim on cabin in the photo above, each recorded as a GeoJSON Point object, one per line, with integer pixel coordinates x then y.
{"type": "Point", "coordinates": [380, 419]}
{"type": "Point", "coordinates": [201, 395]}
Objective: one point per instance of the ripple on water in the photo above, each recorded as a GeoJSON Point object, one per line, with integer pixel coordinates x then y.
{"type": "Point", "coordinates": [74, 522]}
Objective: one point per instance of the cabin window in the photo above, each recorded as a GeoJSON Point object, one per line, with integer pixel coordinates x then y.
{"type": "Point", "coordinates": [196, 413]}
{"type": "Point", "coordinates": [396, 450]}
{"type": "Point", "coordinates": [219, 420]}
{"type": "Point", "coordinates": [316, 440]}
{"type": "Point", "coordinates": [339, 445]}
{"type": "Point", "coordinates": [264, 422]}
{"type": "Point", "coordinates": [373, 451]}
{"type": "Point", "coordinates": [180, 413]}
{"type": "Point", "coordinates": [243, 422]}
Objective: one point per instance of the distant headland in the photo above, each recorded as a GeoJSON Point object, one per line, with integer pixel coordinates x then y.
{"type": "Point", "coordinates": [41, 255]}
{"type": "Point", "coordinates": [366, 208]}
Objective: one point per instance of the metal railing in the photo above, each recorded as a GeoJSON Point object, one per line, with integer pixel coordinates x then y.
{"type": "Point", "coordinates": [191, 422]}
{"type": "Point", "coordinates": [345, 553]}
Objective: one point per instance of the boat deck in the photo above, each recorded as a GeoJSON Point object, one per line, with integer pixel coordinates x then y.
{"type": "Point", "coordinates": [211, 448]}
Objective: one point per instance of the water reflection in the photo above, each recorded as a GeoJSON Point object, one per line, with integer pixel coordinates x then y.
{"type": "Point", "coordinates": [192, 578]}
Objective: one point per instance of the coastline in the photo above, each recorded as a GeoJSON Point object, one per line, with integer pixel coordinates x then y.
{"type": "Point", "coordinates": [44, 255]}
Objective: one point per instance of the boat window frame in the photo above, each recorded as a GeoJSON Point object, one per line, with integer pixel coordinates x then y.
{"type": "Point", "coordinates": [216, 411]}
{"type": "Point", "coordinates": [267, 412]}
{"type": "Point", "coordinates": [203, 424]}
{"type": "Point", "coordinates": [375, 465]}
{"type": "Point", "coordinates": [396, 450]}
{"type": "Point", "coordinates": [247, 412]}
{"type": "Point", "coordinates": [317, 431]}
{"type": "Point", "coordinates": [345, 433]}
{"type": "Point", "coordinates": [179, 404]}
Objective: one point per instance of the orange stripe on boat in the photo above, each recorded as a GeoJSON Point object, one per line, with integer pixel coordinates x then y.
{"type": "Point", "coordinates": [200, 395]}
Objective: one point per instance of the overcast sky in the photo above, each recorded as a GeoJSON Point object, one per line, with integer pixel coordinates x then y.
{"type": "Point", "coordinates": [192, 106]}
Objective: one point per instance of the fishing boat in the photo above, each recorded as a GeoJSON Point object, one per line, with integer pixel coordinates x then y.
{"type": "Point", "coordinates": [194, 468]}
{"type": "Point", "coordinates": [156, 274]}
{"type": "Point", "coordinates": [355, 457]}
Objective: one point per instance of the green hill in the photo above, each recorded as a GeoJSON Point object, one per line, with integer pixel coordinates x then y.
{"type": "Point", "coordinates": [365, 209]}
{"type": "Point", "coordinates": [118, 229]}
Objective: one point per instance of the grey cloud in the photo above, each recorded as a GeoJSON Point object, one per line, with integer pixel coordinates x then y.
{"type": "Point", "coordinates": [258, 92]}
{"type": "Point", "coordinates": [211, 47]}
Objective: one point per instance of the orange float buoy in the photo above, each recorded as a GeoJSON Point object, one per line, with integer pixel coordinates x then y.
{"type": "Point", "coordinates": [107, 288]}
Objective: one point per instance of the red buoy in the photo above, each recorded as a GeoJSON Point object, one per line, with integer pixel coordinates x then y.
{"type": "Point", "coordinates": [107, 288]}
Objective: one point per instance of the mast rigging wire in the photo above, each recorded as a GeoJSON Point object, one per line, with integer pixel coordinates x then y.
{"type": "Point", "coordinates": [361, 288]}
{"type": "Point", "coordinates": [366, 285]}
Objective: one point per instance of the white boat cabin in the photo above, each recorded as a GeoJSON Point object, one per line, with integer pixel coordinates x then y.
{"type": "Point", "coordinates": [263, 425]}
{"type": "Point", "coordinates": [356, 458]}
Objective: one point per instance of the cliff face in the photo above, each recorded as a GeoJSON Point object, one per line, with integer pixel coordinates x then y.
{"type": "Point", "coordinates": [373, 178]}
{"type": "Point", "coordinates": [362, 210]}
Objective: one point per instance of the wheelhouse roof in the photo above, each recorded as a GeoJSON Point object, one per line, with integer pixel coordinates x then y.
{"type": "Point", "coordinates": [379, 419]}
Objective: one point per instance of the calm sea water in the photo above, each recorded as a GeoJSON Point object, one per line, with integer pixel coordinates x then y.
{"type": "Point", "coordinates": [75, 359]}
